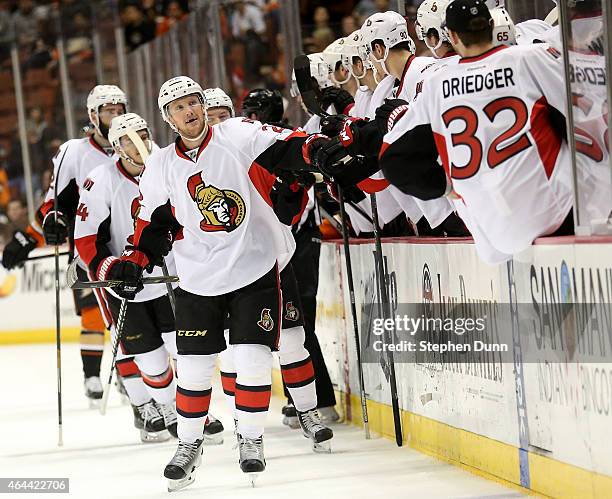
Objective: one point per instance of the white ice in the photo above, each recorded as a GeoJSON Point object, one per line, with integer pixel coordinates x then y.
{"type": "Point", "coordinates": [104, 458]}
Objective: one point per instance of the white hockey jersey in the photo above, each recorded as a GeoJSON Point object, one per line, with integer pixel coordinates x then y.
{"type": "Point", "coordinates": [491, 120]}
{"type": "Point", "coordinates": [231, 235]}
{"type": "Point", "coordinates": [104, 225]}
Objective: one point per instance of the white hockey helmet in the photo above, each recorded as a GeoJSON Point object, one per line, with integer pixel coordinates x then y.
{"type": "Point", "coordinates": [101, 95]}
{"type": "Point", "coordinates": [354, 47]}
{"type": "Point", "coordinates": [175, 88]}
{"type": "Point", "coordinates": [319, 69]}
{"type": "Point", "coordinates": [215, 97]}
{"type": "Point", "coordinates": [129, 125]}
{"type": "Point", "coordinates": [430, 16]}
{"type": "Point", "coordinates": [504, 31]}
{"type": "Point", "coordinates": [391, 28]}
{"type": "Point", "coordinates": [332, 55]}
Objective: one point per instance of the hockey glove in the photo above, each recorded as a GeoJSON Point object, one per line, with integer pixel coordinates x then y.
{"type": "Point", "coordinates": [329, 156]}
{"type": "Point", "coordinates": [388, 114]}
{"type": "Point", "coordinates": [333, 124]}
{"type": "Point", "coordinates": [339, 97]}
{"type": "Point", "coordinates": [128, 269]}
{"type": "Point", "coordinates": [17, 250]}
{"type": "Point", "coordinates": [55, 230]}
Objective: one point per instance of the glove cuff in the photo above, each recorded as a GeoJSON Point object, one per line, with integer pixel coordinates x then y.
{"type": "Point", "coordinates": [395, 115]}
{"type": "Point", "coordinates": [306, 146]}
{"type": "Point", "coordinates": [135, 256]}
{"type": "Point", "coordinates": [105, 266]}
{"type": "Point", "coordinates": [52, 214]}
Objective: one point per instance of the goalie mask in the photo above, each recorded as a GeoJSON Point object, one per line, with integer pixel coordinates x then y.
{"type": "Point", "coordinates": [130, 137]}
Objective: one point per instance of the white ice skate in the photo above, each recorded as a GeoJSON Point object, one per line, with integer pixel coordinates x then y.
{"type": "Point", "coordinates": [150, 422]}
{"type": "Point", "coordinates": [290, 418]}
{"type": "Point", "coordinates": [213, 431]}
{"type": "Point", "coordinates": [252, 461]}
{"type": "Point", "coordinates": [179, 471]}
{"type": "Point", "coordinates": [319, 434]}
{"type": "Point", "coordinates": [168, 412]}
{"type": "Point", "coordinates": [93, 391]}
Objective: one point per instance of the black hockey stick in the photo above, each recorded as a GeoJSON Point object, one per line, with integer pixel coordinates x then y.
{"type": "Point", "coordinates": [113, 283]}
{"type": "Point", "coordinates": [351, 287]}
{"type": "Point", "coordinates": [58, 323]}
{"type": "Point", "coordinates": [386, 313]}
{"type": "Point", "coordinates": [118, 334]}
{"type": "Point", "coordinates": [306, 85]}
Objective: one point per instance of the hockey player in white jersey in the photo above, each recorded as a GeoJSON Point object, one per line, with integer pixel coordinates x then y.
{"type": "Point", "coordinates": [495, 119]}
{"type": "Point", "coordinates": [107, 212]}
{"type": "Point", "coordinates": [219, 106]}
{"type": "Point", "coordinates": [228, 260]}
{"type": "Point", "coordinates": [71, 165]}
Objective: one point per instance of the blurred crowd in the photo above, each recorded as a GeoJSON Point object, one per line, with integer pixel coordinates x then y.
{"type": "Point", "coordinates": [253, 48]}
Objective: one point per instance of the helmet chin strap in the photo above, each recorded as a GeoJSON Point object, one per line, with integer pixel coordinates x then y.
{"type": "Point", "coordinates": [382, 61]}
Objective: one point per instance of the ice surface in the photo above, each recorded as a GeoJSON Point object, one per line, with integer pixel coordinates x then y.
{"type": "Point", "coordinates": [104, 458]}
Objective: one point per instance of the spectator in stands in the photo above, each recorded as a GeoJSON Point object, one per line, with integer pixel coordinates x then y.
{"type": "Point", "coordinates": [26, 24]}
{"type": "Point", "coordinates": [138, 27]}
{"type": "Point", "coordinates": [348, 25]}
{"type": "Point", "coordinates": [5, 191]}
{"type": "Point", "coordinates": [40, 56]}
{"type": "Point", "coordinates": [322, 34]}
{"type": "Point", "coordinates": [45, 183]}
{"type": "Point", "coordinates": [174, 12]}
{"type": "Point", "coordinates": [17, 215]}
{"type": "Point", "coordinates": [5, 31]}
{"type": "Point", "coordinates": [249, 27]}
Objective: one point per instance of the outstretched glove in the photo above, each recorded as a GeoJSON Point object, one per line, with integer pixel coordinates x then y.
{"type": "Point", "coordinates": [333, 124]}
{"type": "Point", "coordinates": [55, 229]}
{"type": "Point", "coordinates": [326, 155]}
{"type": "Point", "coordinates": [17, 250]}
{"type": "Point", "coordinates": [128, 269]}
{"type": "Point", "coordinates": [389, 112]}
{"type": "Point", "coordinates": [339, 97]}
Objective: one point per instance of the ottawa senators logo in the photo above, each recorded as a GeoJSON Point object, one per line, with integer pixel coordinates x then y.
{"type": "Point", "coordinates": [266, 322]}
{"type": "Point", "coordinates": [222, 209]}
{"type": "Point", "coordinates": [134, 211]}
{"type": "Point", "coordinates": [291, 312]}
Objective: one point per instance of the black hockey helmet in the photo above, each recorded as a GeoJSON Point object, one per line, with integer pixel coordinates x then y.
{"type": "Point", "coordinates": [267, 105]}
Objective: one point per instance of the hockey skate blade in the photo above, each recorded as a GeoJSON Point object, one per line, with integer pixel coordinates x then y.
{"type": "Point", "coordinates": [291, 422]}
{"type": "Point", "coordinates": [150, 437]}
{"type": "Point", "coordinates": [174, 485]}
{"type": "Point", "coordinates": [253, 478]}
{"type": "Point", "coordinates": [322, 447]}
{"type": "Point", "coordinates": [214, 439]}
{"type": "Point", "coordinates": [95, 403]}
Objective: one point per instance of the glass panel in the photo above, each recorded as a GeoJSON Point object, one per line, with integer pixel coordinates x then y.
{"type": "Point", "coordinates": [586, 39]}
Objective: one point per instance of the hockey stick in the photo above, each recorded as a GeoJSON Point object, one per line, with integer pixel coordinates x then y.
{"type": "Point", "coordinates": [118, 334]}
{"type": "Point", "coordinates": [58, 323]}
{"type": "Point", "coordinates": [171, 296]}
{"type": "Point", "coordinates": [113, 283]}
{"type": "Point", "coordinates": [309, 97]}
{"type": "Point", "coordinates": [386, 313]}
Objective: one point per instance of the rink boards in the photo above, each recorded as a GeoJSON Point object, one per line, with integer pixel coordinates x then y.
{"type": "Point", "coordinates": [554, 436]}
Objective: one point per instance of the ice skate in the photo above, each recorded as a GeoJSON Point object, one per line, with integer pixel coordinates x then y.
{"type": "Point", "coordinates": [93, 391]}
{"type": "Point", "coordinates": [290, 418]}
{"type": "Point", "coordinates": [150, 422]}
{"type": "Point", "coordinates": [329, 415]}
{"type": "Point", "coordinates": [168, 412]}
{"type": "Point", "coordinates": [252, 460]}
{"type": "Point", "coordinates": [179, 471]}
{"type": "Point", "coordinates": [313, 429]}
{"type": "Point", "coordinates": [213, 431]}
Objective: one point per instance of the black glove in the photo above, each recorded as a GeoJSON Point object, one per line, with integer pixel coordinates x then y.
{"type": "Point", "coordinates": [388, 113]}
{"type": "Point", "coordinates": [55, 231]}
{"type": "Point", "coordinates": [165, 248]}
{"type": "Point", "coordinates": [128, 269]}
{"type": "Point", "coordinates": [351, 193]}
{"type": "Point", "coordinates": [333, 124]}
{"type": "Point", "coordinates": [339, 97]}
{"type": "Point", "coordinates": [17, 250]}
{"type": "Point", "coordinates": [328, 156]}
